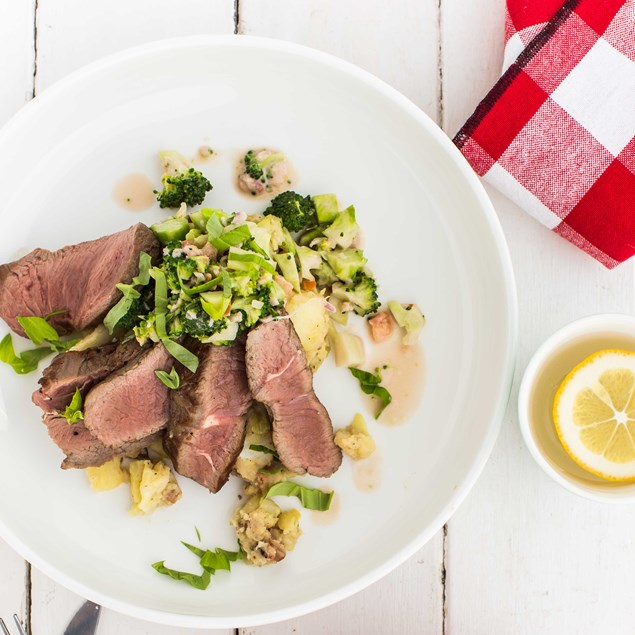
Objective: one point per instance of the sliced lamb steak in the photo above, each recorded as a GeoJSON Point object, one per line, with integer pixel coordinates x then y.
{"type": "Point", "coordinates": [131, 403]}
{"type": "Point", "coordinates": [208, 415]}
{"type": "Point", "coordinates": [79, 279]}
{"type": "Point", "coordinates": [80, 369]}
{"type": "Point", "coordinates": [82, 449]}
{"type": "Point", "coordinates": [280, 379]}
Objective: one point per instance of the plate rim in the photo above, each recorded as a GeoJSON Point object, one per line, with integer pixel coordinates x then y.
{"type": "Point", "coordinates": [504, 393]}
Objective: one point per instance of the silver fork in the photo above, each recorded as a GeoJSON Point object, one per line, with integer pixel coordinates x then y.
{"type": "Point", "coordinates": [16, 619]}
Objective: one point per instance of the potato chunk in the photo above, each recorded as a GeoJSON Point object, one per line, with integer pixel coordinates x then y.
{"type": "Point", "coordinates": [264, 532]}
{"type": "Point", "coordinates": [151, 486]}
{"type": "Point", "coordinates": [355, 440]}
{"type": "Point", "coordinates": [107, 476]}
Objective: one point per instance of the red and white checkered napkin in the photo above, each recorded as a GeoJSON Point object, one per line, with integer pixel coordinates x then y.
{"type": "Point", "coordinates": [556, 134]}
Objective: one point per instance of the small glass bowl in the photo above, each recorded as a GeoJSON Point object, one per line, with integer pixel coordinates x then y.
{"type": "Point", "coordinates": [548, 367]}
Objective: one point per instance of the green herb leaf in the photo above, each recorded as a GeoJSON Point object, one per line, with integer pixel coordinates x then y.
{"type": "Point", "coordinates": [24, 363]}
{"type": "Point", "coordinates": [172, 379]}
{"type": "Point", "coordinates": [211, 561]}
{"type": "Point", "coordinates": [61, 346]}
{"type": "Point", "coordinates": [181, 354]}
{"type": "Point", "coordinates": [130, 294]}
{"type": "Point", "coordinates": [73, 412]}
{"type": "Point", "coordinates": [37, 329]}
{"type": "Point", "coordinates": [197, 581]}
{"type": "Point", "coordinates": [233, 237]}
{"type": "Point", "coordinates": [198, 533]}
{"type": "Point", "coordinates": [309, 497]}
{"type": "Point", "coordinates": [219, 560]}
{"type": "Point", "coordinates": [369, 384]}
{"type": "Point", "coordinates": [197, 551]}
{"type": "Point", "coordinates": [264, 449]}
{"type": "Point", "coordinates": [271, 470]}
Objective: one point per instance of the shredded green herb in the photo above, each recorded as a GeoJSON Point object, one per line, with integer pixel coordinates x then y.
{"type": "Point", "coordinates": [197, 581]}
{"type": "Point", "coordinates": [309, 497]}
{"type": "Point", "coordinates": [73, 411]}
{"type": "Point", "coordinates": [172, 379]}
{"type": "Point", "coordinates": [24, 363]}
{"type": "Point", "coordinates": [130, 294]}
{"type": "Point", "coordinates": [38, 330]}
{"type": "Point", "coordinates": [210, 561]}
{"type": "Point", "coordinates": [181, 354]}
{"type": "Point", "coordinates": [370, 385]}
{"type": "Point", "coordinates": [264, 449]}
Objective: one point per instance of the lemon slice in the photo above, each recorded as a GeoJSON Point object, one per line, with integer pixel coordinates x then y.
{"type": "Point", "coordinates": [594, 414]}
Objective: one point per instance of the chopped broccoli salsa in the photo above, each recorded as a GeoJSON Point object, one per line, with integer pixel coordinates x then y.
{"type": "Point", "coordinates": [222, 273]}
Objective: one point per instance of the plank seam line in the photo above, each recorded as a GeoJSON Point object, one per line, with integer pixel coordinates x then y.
{"type": "Point", "coordinates": [237, 29]}
{"type": "Point", "coordinates": [444, 575]}
{"type": "Point", "coordinates": [35, 13]}
{"type": "Point", "coordinates": [441, 96]}
{"type": "Point", "coordinates": [29, 597]}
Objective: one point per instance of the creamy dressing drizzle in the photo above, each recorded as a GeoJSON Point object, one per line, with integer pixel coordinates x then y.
{"type": "Point", "coordinates": [403, 378]}
{"type": "Point", "coordinates": [134, 192]}
{"type": "Point", "coordinates": [368, 472]}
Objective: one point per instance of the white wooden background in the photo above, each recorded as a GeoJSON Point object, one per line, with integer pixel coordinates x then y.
{"type": "Point", "coordinates": [521, 556]}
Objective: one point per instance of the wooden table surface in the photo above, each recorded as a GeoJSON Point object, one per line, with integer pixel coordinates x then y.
{"type": "Point", "coordinates": [521, 555]}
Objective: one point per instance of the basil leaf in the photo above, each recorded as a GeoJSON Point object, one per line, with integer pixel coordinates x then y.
{"type": "Point", "coordinates": [181, 354]}
{"type": "Point", "coordinates": [211, 561]}
{"type": "Point", "coordinates": [197, 581]}
{"type": "Point", "coordinates": [61, 346]}
{"type": "Point", "coordinates": [130, 294]}
{"type": "Point", "coordinates": [30, 359]}
{"type": "Point", "coordinates": [172, 379]}
{"type": "Point", "coordinates": [37, 329]}
{"type": "Point", "coordinates": [197, 551]}
{"type": "Point", "coordinates": [26, 362]}
{"type": "Point", "coordinates": [214, 560]}
{"type": "Point", "coordinates": [264, 449]}
{"type": "Point", "coordinates": [309, 497]}
{"type": "Point", "coordinates": [73, 412]}
{"type": "Point", "coordinates": [369, 384]}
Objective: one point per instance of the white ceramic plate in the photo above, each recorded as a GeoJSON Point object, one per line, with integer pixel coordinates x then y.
{"type": "Point", "coordinates": [432, 238]}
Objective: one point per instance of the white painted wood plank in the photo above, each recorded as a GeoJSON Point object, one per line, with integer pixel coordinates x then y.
{"type": "Point", "coordinates": [57, 605]}
{"type": "Point", "coordinates": [545, 560]}
{"type": "Point", "coordinates": [13, 584]}
{"type": "Point", "coordinates": [17, 52]}
{"type": "Point", "coordinates": [72, 33]}
{"type": "Point", "coordinates": [407, 601]}
{"type": "Point", "coordinates": [523, 555]}
{"type": "Point", "coordinates": [472, 55]}
{"type": "Point", "coordinates": [397, 41]}
{"type": "Point", "coordinates": [16, 86]}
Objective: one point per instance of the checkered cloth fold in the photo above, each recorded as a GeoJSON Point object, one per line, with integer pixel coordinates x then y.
{"type": "Point", "coordinates": [556, 134]}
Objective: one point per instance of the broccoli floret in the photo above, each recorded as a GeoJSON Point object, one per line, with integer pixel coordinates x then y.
{"type": "Point", "coordinates": [195, 322]}
{"type": "Point", "coordinates": [346, 263]}
{"type": "Point", "coordinates": [252, 166]}
{"type": "Point", "coordinates": [259, 169]}
{"type": "Point", "coordinates": [181, 182]}
{"type": "Point", "coordinates": [133, 317]}
{"type": "Point", "coordinates": [361, 293]}
{"type": "Point", "coordinates": [294, 210]}
{"type": "Point", "coordinates": [264, 295]}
